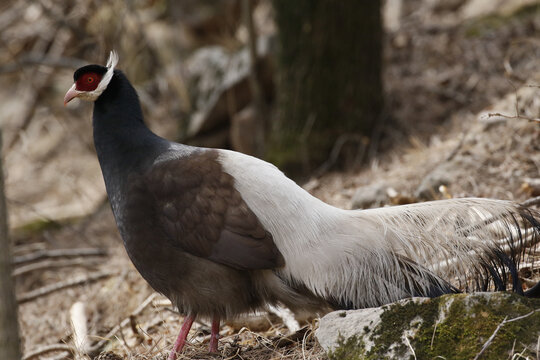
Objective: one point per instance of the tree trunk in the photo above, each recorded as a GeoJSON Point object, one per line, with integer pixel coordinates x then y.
{"type": "Point", "coordinates": [9, 327]}
{"type": "Point", "coordinates": [329, 77]}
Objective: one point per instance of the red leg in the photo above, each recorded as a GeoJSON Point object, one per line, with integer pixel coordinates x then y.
{"type": "Point", "coordinates": [214, 336]}
{"type": "Point", "coordinates": [181, 339]}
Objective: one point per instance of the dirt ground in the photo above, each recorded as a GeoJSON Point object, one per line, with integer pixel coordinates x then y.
{"type": "Point", "coordinates": [446, 70]}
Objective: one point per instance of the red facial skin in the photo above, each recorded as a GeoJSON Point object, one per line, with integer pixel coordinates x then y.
{"type": "Point", "coordinates": [88, 82]}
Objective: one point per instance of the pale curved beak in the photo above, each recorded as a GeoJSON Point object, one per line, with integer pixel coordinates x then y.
{"type": "Point", "coordinates": [71, 94]}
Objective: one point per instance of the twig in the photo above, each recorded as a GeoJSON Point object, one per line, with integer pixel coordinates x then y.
{"type": "Point", "coordinates": [516, 104]}
{"type": "Point", "coordinates": [517, 115]}
{"type": "Point", "coordinates": [21, 249]}
{"type": "Point", "coordinates": [47, 349]}
{"type": "Point", "coordinates": [531, 202]}
{"type": "Point", "coordinates": [505, 321]}
{"type": "Point", "coordinates": [513, 347]}
{"type": "Point", "coordinates": [433, 336]}
{"type": "Point", "coordinates": [522, 117]}
{"type": "Point", "coordinates": [94, 350]}
{"type": "Point", "coordinates": [488, 342]}
{"type": "Point", "coordinates": [127, 348]}
{"type": "Point", "coordinates": [45, 254]}
{"type": "Point", "coordinates": [48, 264]}
{"type": "Point", "coordinates": [45, 290]}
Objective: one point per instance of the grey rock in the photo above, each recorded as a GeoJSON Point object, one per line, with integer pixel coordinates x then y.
{"type": "Point", "coordinates": [451, 326]}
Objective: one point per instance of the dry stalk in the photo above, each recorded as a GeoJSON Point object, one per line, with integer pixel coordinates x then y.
{"type": "Point", "coordinates": [505, 321]}
{"type": "Point", "coordinates": [410, 347]}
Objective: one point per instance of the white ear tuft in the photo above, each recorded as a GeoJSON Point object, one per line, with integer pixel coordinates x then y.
{"type": "Point", "coordinates": [113, 60]}
{"type": "Point", "coordinates": [105, 80]}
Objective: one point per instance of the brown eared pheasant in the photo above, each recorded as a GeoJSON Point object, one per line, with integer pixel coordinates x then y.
{"type": "Point", "coordinates": [221, 233]}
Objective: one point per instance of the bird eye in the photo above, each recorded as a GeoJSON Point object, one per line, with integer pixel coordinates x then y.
{"type": "Point", "coordinates": [88, 82]}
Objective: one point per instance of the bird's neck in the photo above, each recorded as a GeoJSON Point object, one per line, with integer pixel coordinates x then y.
{"type": "Point", "coordinates": [124, 144]}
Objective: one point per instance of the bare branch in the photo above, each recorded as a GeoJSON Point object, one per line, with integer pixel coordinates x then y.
{"type": "Point", "coordinates": [56, 253]}
{"type": "Point", "coordinates": [45, 290]}
{"type": "Point", "coordinates": [50, 264]}
{"type": "Point", "coordinates": [47, 349]}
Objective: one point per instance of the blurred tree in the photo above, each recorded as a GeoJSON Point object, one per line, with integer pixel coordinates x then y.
{"type": "Point", "coordinates": [9, 327]}
{"type": "Point", "coordinates": [329, 78]}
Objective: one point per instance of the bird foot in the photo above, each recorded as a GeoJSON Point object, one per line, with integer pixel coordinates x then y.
{"type": "Point", "coordinates": [214, 336]}
{"type": "Point", "coordinates": [182, 336]}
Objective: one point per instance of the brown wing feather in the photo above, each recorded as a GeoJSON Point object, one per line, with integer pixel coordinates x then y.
{"type": "Point", "coordinates": [195, 205]}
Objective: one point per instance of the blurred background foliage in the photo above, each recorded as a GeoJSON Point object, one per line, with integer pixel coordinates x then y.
{"type": "Point", "coordinates": [207, 74]}
{"type": "Point", "coordinates": [191, 62]}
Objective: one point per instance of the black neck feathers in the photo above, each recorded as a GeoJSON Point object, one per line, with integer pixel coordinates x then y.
{"type": "Point", "coordinates": [119, 103]}
{"type": "Point", "coordinates": [124, 144]}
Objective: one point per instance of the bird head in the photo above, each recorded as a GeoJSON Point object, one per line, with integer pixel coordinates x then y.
{"type": "Point", "coordinates": [91, 80]}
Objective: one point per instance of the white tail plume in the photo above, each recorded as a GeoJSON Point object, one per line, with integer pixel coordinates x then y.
{"type": "Point", "coordinates": [437, 247]}
{"type": "Point", "coordinates": [365, 258]}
